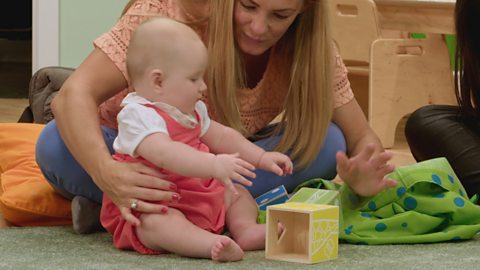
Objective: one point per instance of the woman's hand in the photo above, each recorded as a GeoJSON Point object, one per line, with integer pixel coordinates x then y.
{"type": "Point", "coordinates": [230, 167]}
{"type": "Point", "coordinates": [276, 163]}
{"type": "Point", "coordinates": [135, 184]}
{"type": "Point", "coordinates": [365, 172]}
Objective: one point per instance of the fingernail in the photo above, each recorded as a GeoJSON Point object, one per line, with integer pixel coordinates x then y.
{"type": "Point", "coordinates": [175, 197]}
{"type": "Point", "coordinates": [173, 187]}
{"type": "Point", "coordinates": [164, 210]}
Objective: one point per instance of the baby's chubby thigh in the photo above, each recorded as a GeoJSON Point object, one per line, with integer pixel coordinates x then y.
{"type": "Point", "coordinates": [241, 219]}
{"type": "Point", "coordinates": [157, 231]}
{"type": "Point", "coordinates": [231, 198]}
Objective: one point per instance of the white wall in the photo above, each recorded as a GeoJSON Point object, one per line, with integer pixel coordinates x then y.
{"type": "Point", "coordinates": [63, 31]}
{"type": "Point", "coordinates": [45, 34]}
{"type": "Point", "coordinates": [81, 22]}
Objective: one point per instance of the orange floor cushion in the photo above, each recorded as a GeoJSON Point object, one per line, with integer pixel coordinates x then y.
{"type": "Point", "coordinates": [26, 198]}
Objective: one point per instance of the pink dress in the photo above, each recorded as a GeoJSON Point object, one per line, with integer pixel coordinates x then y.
{"type": "Point", "coordinates": [202, 200]}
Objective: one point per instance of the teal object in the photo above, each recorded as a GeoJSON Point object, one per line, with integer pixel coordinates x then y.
{"type": "Point", "coordinates": [428, 205]}
{"type": "Point", "coordinates": [275, 196]}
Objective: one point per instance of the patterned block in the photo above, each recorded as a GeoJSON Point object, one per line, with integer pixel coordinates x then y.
{"type": "Point", "coordinates": [310, 232]}
{"type": "Point", "coordinates": [317, 196]}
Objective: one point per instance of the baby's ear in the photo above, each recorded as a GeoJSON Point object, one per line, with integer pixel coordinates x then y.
{"type": "Point", "coordinates": [156, 80]}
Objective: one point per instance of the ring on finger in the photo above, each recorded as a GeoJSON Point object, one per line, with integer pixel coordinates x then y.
{"type": "Point", "coordinates": [134, 204]}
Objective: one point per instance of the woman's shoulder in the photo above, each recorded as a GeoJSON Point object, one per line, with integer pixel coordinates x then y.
{"type": "Point", "coordinates": [151, 7]}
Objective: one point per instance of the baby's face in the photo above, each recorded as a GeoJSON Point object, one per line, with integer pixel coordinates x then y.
{"type": "Point", "coordinates": [183, 83]}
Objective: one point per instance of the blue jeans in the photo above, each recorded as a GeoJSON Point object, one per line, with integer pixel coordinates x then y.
{"type": "Point", "coordinates": [69, 179]}
{"type": "Point", "coordinates": [324, 165]}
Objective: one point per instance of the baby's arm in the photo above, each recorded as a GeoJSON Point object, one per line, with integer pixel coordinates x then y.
{"type": "Point", "coordinates": [182, 159]}
{"type": "Point", "coordinates": [223, 139]}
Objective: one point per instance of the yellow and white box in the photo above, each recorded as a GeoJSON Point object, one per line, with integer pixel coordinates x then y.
{"type": "Point", "coordinates": [302, 232]}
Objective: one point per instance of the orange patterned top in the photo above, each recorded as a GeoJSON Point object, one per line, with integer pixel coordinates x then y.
{"type": "Point", "coordinates": [258, 106]}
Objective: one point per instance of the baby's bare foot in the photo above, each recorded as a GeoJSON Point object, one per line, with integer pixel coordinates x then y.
{"type": "Point", "coordinates": [226, 250]}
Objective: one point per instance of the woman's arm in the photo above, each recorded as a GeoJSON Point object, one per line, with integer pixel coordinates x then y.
{"type": "Point", "coordinates": [76, 112]}
{"type": "Point", "coordinates": [365, 167]}
{"type": "Point", "coordinates": [352, 121]}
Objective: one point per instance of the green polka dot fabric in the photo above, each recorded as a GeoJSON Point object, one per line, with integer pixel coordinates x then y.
{"type": "Point", "coordinates": [428, 205]}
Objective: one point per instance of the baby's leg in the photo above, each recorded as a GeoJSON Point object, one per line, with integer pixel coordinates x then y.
{"type": "Point", "coordinates": [241, 220]}
{"type": "Point", "coordinates": [174, 233]}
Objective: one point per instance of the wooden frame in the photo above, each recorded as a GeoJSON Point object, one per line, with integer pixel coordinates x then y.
{"type": "Point", "coordinates": [394, 81]}
{"type": "Point", "coordinates": [424, 16]}
{"type": "Point", "coordinates": [406, 74]}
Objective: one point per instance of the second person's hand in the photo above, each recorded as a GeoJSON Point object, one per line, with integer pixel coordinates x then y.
{"type": "Point", "coordinates": [365, 173]}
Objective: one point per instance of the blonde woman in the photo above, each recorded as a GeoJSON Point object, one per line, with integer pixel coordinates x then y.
{"type": "Point", "coordinates": [265, 58]}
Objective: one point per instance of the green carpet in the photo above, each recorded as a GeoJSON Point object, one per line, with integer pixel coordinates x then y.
{"type": "Point", "coordinates": [59, 248]}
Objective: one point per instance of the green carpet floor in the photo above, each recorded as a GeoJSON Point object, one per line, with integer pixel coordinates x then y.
{"type": "Point", "coordinates": [59, 248]}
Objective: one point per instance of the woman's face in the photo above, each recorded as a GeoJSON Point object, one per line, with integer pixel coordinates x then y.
{"type": "Point", "coordinates": [259, 24]}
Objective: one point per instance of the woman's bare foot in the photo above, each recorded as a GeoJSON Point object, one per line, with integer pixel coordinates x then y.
{"type": "Point", "coordinates": [226, 250]}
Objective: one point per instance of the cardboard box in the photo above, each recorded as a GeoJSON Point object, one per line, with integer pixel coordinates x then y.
{"type": "Point", "coordinates": [310, 232]}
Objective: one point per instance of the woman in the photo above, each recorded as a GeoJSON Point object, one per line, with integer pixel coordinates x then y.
{"type": "Point", "coordinates": [454, 131]}
{"type": "Point", "coordinates": [266, 57]}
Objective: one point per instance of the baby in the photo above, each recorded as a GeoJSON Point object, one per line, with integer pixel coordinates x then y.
{"type": "Point", "coordinates": [165, 125]}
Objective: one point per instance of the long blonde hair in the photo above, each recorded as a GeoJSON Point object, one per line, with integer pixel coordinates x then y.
{"type": "Point", "coordinates": [308, 106]}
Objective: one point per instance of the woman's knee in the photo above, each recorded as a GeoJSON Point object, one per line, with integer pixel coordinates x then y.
{"type": "Point", "coordinates": [429, 130]}
{"type": "Point", "coordinates": [51, 149]}
{"type": "Point", "coordinates": [416, 119]}
{"type": "Point", "coordinates": [48, 146]}
{"type": "Point", "coordinates": [428, 119]}
{"type": "Point", "coordinates": [325, 164]}
{"type": "Point", "coordinates": [335, 139]}
{"type": "Point", "coordinates": [61, 169]}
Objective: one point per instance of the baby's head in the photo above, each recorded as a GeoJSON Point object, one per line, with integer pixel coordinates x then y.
{"type": "Point", "coordinates": [166, 61]}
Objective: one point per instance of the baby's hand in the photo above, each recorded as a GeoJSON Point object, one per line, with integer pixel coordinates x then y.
{"type": "Point", "coordinates": [276, 162]}
{"type": "Point", "coordinates": [365, 172]}
{"type": "Point", "coordinates": [229, 167]}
